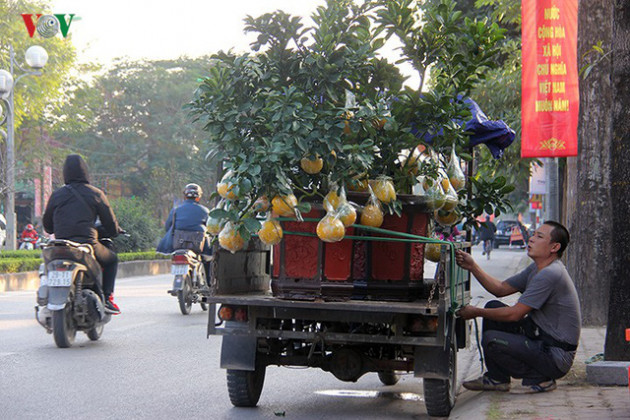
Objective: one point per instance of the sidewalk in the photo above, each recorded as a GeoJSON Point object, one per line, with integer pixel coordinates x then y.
{"type": "Point", "coordinates": [574, 399]}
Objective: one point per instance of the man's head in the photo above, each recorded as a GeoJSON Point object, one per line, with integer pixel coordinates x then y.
{"type": "Point", "coordinates": [550, 238]}
{"type": "Point", "coordinates": [29, 227]}
{"type": "Point", "coordinates": [192, 192]}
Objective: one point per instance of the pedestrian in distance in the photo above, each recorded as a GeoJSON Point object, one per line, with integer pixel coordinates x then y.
{"type": "Point", "coordinates": [486, 233]}
{"type": "Point", "coordinates": [535, 339]}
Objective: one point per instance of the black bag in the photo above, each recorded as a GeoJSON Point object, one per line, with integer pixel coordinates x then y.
{"type": "Point", "coordinates": [187, 239]}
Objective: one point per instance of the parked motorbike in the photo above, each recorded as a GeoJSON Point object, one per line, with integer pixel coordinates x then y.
{"type": "Point", "coordinates": [70, 297]}
{"type": "Point", "coordinates": [190, 281]}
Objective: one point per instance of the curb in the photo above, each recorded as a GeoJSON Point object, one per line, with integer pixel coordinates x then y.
{"type": "Point", "coordinates": [608, 373]}
{"type": "Point", "coordinates": [29, 280]}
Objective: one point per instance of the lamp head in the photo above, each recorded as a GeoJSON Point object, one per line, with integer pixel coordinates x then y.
{"type": "Point", "coordinates": [6, 82]}
{"type": "Point", "coordinates": [36, 57]}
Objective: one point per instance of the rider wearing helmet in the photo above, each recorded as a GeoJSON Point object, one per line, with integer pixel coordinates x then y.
{"type": "Point", "coordinates": [29, 236]}
{"type": "Point", "coordinates": [189, 216]}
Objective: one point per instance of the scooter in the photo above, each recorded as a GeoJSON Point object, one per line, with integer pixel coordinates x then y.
{"type": "Point", "coordinates": [28, 243]}
{"type": "Point", "coordinates": [70, 297]}
{"type": "Point", "coordinates": [190, 281]}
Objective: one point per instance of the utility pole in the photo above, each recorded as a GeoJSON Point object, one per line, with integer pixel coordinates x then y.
{"type": "Point", "coordinates": [552, 202]}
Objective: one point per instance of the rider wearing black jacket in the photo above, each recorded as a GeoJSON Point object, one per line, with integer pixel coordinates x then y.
{"type": "Point", "coordinates": [71, 218]}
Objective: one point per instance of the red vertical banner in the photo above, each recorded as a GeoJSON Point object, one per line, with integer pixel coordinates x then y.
{"type": "Point", "coordinates": [550, 89]}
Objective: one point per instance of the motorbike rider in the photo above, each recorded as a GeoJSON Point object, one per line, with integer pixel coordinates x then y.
{"type": "Point", "coordinates": [29, 235]}
{"type": "Point", "coordinates": [190, 216]}
{"type": "Point", "coordinates": [72, 216]}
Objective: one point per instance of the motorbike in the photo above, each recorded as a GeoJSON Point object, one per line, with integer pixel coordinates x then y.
{"type": "Point", "coordinates": [28, 243]}
{"type": "Point", "coordinates": [70, 297]}
{"type": "Point", "coordinates": [190, 281]}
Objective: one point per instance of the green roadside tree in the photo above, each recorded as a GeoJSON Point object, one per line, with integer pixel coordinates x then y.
{"type": "Point", "coordinates": [36, 98]}
{"type": "Point", "coordinates": [129, 123]}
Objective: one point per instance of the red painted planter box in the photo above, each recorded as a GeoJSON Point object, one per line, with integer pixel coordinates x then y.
{"type": "Point", "coordinates": [304, 267]}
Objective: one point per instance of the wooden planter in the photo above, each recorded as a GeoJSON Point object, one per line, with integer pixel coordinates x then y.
{"type": "Point", "coordinates": [304, 267]}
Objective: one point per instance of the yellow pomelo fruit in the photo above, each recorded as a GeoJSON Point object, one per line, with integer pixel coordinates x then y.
{"type": "Point", "coordinates": [312, 166]}
{"type": "Point", "coordinates": [261, 204]}
{"type": "Point", "coordinates": [372, 216]}
{"type": "Point", "coordinates": [457, 183]}
{"type": "Point", "coordinates": [359, 185]}
{"type": "Point", "coordinates": [271, 232]}
{"type": "Point", "coordinates": [432, 252]}
{"type": "Point", "coordinates": [284, 205]}
{"type": "Point", "coordinates": [330, 229]}
{"type": "Point", "coordinates": [214, 226]}
{"type": "Point", "coordinates": [384, 190]}
{"type": "Point", "coordinates": [226, 191]}
{"type": "Point", "coordinates": [333, 199]}
{"type": "Point", "coordinates": [231, 239]}
{"type": "Point", "coordinates": [347, 214]}
{"type": "Point", "coordinates": [446, 218]}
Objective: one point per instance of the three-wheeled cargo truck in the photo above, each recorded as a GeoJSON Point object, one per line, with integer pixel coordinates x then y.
{"type": "Point", "coordinates": [361, 305]}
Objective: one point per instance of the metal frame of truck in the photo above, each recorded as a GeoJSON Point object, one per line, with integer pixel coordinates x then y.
{"type": "Point", "coordinates": [347, 338]}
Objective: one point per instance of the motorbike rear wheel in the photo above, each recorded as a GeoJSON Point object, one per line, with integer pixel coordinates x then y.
{"type": "Point", "coordinates": [96, 332]}
{"type": "Point", "coordinates": [184, 296]}
{"type": "Point", "coordinates": [64, 329]}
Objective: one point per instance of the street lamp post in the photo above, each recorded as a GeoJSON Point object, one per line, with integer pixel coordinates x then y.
{"type": "Point", "coordinates": [36, 58]}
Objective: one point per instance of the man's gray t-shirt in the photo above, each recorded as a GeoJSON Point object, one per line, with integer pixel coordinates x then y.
{"type": "Point", "coordinates": [552, 294]}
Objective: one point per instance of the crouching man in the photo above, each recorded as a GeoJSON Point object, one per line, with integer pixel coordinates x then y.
{"type": "Point", "coordinates": [535, 339]}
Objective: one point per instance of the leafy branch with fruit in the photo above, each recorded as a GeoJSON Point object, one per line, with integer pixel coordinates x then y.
{"type": "Point", "coordinates": [314, 114]}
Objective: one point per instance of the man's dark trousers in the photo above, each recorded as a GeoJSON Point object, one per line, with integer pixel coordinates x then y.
{"type": "Point", "coordinates": [510, 351]}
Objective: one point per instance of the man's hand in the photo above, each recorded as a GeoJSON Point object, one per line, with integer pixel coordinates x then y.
{"type": "Point", "coordinates": [468, 311]}
{"type": "Point", "coordinates": [464, 260]}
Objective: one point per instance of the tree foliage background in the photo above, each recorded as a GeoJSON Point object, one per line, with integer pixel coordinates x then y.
{"type": "Point", "coordinates": [37, 99]}
{"type": "Point", "coordinates": [128, 121]}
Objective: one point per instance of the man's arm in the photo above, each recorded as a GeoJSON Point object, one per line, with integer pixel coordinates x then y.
{"type": "Point", "coordinates": [503, 314]}
{"type": "Point", "coordinates": [491, 284]}
{"type": "Point", "coordinates": [106, 214]}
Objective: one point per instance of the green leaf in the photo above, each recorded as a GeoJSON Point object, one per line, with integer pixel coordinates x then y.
{"type": "Point", "coordinates": [304, 207]}
{"type": "Point", "coordinates": [252, 225]}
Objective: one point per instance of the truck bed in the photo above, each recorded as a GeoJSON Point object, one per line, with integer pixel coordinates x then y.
{"type": "Point", "coordinates": [265, 299]}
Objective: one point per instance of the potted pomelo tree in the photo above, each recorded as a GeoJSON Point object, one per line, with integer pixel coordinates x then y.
{"type": "Point", "coordinates": [315, 111]}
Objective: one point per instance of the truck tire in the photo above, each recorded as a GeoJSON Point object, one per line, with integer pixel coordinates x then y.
{"type": "Point", "coordinates": [388, 378]}
{"type": "Point", "coordinates": [439, 394]}
{"type": "Point", "coordinates": [244, 387]}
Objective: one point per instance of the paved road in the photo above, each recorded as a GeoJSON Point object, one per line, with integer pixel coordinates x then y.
{"type": "Point", "coordinates": [152, 362]}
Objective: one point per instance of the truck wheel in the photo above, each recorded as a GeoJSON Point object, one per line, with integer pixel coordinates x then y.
{"type": "Point", "coordinates": [184, 296]}
{"type": "Point", "coordinates": [64, 330]}
{"type": "Point", "coordinates": [388, 378]}
{"type": "Point", "coordinates": [244, 387]}
{"type": "Point", "coordinates": [439, 394]}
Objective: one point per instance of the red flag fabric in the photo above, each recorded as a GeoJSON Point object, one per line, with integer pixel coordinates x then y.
{"type": "Point", "coordinates": [550, 95]}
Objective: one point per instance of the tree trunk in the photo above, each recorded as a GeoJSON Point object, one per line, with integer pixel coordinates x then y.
{"type": "Point", "coordinates": [589, 179]}
{"type": "Point", "coordinates": [619, 312]}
